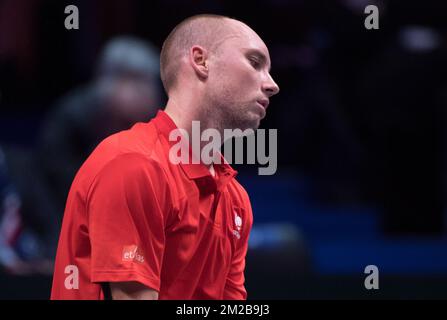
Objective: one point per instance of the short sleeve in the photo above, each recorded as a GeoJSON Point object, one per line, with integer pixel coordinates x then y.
{"type": "Point", "coordinates": [127, 207]}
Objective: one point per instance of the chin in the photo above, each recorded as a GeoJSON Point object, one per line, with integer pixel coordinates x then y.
{"type": "Point", "coordinates": [255, 121]}
{"type": "Point", "coordinates": [256, 124]}
{"type": "Point", "coordinates": [251, 124]}
{"type": "Point", "coordinates": [250, 120]}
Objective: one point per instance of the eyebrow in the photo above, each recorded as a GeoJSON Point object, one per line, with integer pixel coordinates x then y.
{"type": "Point", "coordinates": [261, 56]}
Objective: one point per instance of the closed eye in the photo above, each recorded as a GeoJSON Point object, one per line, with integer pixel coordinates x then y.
{"type": "Point", "coordinates": [255, 62]}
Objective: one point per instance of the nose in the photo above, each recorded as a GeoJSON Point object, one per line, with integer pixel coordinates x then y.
{"type": "Point", "coordinates": [269, 86]}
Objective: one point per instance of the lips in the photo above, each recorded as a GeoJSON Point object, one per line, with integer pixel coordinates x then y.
{"type": "Point", "coordinates": [264, 103]}
{"type": "Point", "coordinates": [262, 109]}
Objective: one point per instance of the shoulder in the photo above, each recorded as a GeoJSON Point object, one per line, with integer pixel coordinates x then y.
{"type": "Point", "coordinates": [127, 156]}
{"type": "Point", "coordinates": [136, 145]}
{"type": "Point", "coordinates": [239, 192]}
{"type": "Point", "coordinates": [132, 164]}
{"type": "Point", "coordinates": [130, 179]}
{"type": "Point", "coordinates": [241, 199]}
{"type": "Point", "coordinates": [133, 169]}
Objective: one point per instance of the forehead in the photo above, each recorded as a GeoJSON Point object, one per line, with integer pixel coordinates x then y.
{"type": "Point", "coordinates": [242, 37]}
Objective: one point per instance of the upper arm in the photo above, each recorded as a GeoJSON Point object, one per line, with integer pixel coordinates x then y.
{"type": "Point", "coordinates": [126, 216]}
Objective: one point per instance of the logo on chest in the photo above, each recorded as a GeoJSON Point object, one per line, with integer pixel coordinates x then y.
{"type": "Point", "coordinates": [238, 225]}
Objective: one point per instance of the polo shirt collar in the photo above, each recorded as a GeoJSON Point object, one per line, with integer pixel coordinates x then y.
{"type": "Point", "coordinates": [224, 172]}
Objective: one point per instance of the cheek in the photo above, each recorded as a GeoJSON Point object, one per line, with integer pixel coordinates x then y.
{"type": "Point", "coordinates": [238, 79]}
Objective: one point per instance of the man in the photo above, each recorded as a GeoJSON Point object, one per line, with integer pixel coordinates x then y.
{"type": "Point", "coordinates": [124, 91]}
{"type": "Point", "coordinates": [137, 226]}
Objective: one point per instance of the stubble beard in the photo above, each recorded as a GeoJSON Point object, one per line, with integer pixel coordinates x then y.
{"type": "Point", "coordinates": [226, 114]}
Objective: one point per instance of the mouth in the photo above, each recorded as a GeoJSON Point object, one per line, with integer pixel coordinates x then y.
{"type": "Point", "coordinates": [264, 103]}
{"type": "Point", "coordinates": [262, 109]}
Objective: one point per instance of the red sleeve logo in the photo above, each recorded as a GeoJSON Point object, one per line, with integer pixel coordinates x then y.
{"type": "Point", "coordinates": [131, 253]}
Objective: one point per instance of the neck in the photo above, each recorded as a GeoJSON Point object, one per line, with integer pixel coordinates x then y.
{"type": "Point", "coordinates": [184, 111]}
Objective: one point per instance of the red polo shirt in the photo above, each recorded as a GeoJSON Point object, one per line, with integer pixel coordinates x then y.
{"type": "Point", "coordinates": [131, 215]}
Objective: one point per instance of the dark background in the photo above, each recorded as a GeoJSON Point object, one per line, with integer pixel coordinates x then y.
{"type": "Point", "coordinates": [361, 132]}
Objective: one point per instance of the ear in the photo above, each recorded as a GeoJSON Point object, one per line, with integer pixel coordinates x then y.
{"type": "Point", "coordinates": [199, 60]}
